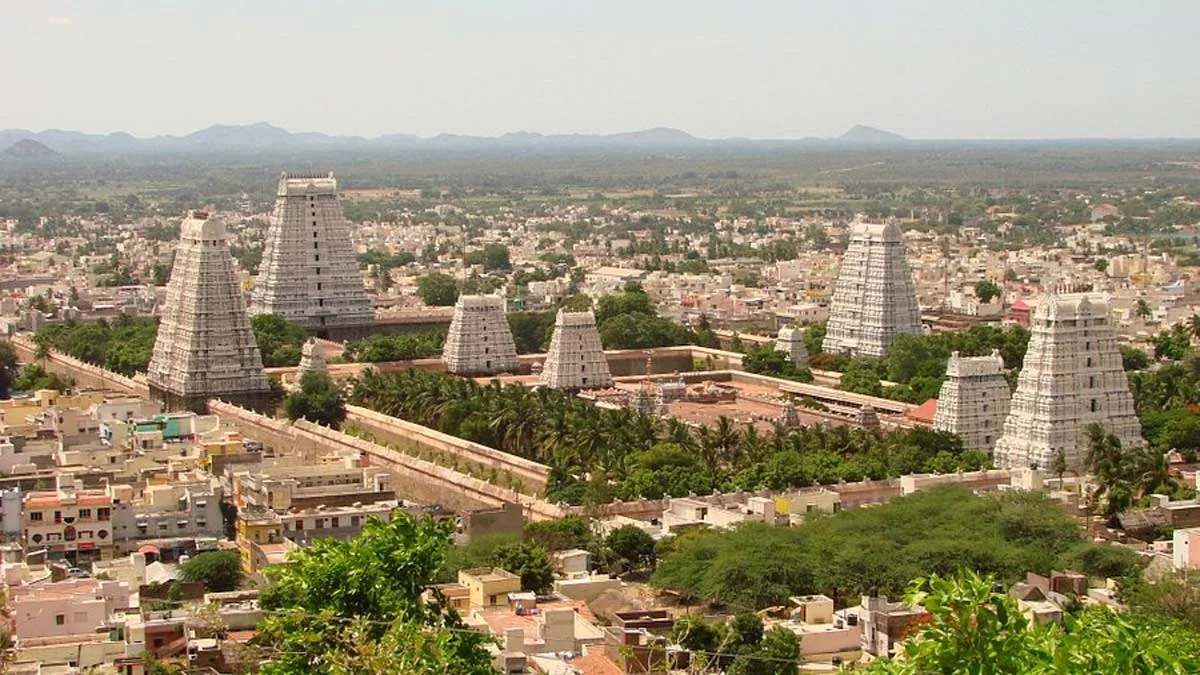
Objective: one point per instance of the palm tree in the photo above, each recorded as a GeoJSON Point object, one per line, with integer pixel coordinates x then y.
{"type": "Point", "coordinates": [1142, 311]}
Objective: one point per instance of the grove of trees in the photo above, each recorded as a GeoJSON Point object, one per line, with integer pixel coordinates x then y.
{"type": "Point", "coordinates": [597, 454]}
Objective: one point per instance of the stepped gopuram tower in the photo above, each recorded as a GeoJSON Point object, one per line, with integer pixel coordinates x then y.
{"type": "Point", "coordinates": [576, 359]}
{"type": "Point", "coordinates": [974, 400]}
{"type": "Point", "coordinates": [312, 359]}
{"type": "Point", "coordinates": [480, 341]}
{"type": "Point", "coordinates": [309, 273]}
{"type": "Point", "coordinates": [1072, 377]}
{"type": "Point", "coordinates": [205, 348]}
{"type": "Point", "coordinates": [790, 341]}
{"type": "Point", "coordinates": [874, 300]}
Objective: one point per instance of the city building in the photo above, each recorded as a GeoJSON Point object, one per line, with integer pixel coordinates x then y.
{"type": "Point", "coordinates": [480, 341]}
{"type": "Point", "coordinates": [1072, 377]}
{"type": "Point", "coordinates": [70, 523]}
{"type": "Point", "coordinates": [790, 341]}
{"type": "Point", "coordinates": [576, 359]}
{"type": "Point", "coordinates": [874, 299]}
{"type": "Point", "coordinates": [974, 400]}
{"type": "Point", "coordinates": [205, 348]}
{"type": "Point", "coordinates": [309, 274]}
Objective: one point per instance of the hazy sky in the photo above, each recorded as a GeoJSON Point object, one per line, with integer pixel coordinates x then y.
{"type": "Point", "coordinates": [757, 68]}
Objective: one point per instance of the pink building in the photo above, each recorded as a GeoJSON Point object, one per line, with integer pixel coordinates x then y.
{"type": "Point", "coordinates": [1186, 551]}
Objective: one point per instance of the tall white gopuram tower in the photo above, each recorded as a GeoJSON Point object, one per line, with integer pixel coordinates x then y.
{"type": "Point", "coordinates": [576, 359]}
{"type": "Point", "coordinates": [480, 341]}
{"type": "Point", "coordinates": [974, 400]}
{"type": "Point", "coordinates": [309, 273]}
{"type": "Point", "coordinates": [205, 348]}
{"type": "Point", "coordinates": [1073, 376]}
{"type": "Point", "coordinates": [874, 300]}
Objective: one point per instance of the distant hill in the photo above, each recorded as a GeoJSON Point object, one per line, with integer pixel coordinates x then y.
{"type": "Point", "coordinates": [859, 133]}
{"type": "Point", "coordinates": [27, 148]}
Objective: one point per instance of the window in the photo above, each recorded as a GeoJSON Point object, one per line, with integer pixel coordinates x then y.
{"type": "Point", "coordinates": [57, 517]}
{"type": "Point", "coordinates": [1089, 362]}
{"type": "Point", "coordinates": [334, 522]}
{"type": "Point", "coordinates": [354, 521]}
{"type": "Point", "coordinates": [316, 245]}
{"type": "Point", "coordinates": [35, 516]}
{"type": "Point", "coordinates": [60, 619]}
{"type": "Point", "coordinates": [316, 257]}
{"type": "Point", "coordinates": [1091, 381]}
{"type": "Point", "coordinates": [103, 514]}
{"type": "Point", "coordinates": [299, 524]}
{"type": "Point", "coordinates": [1095, 405]}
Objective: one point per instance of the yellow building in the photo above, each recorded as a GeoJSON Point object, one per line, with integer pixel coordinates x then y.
{"type": "Point", "coordinates": [489, 586]}
{"type": "Point", "coordinates": [257, 537]}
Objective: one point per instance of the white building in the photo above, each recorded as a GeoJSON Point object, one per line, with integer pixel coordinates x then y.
{"type": "Point", "coordinates": [480, 341]}
{"type": "Point", "coordinates": [974, 400]}
{"type": "Point", "coordinates": [576, 359]}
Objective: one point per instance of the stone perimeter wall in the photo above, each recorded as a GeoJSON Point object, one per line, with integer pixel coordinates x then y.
{"type": "Point", "coordinates": [86, 375]}
{"type": "Point", "coordinates": [414, 478]}
{"type": "Point", "coordinates": [413, 439]}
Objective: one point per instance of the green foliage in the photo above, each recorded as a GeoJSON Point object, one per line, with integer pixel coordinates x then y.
{"type": "Point", "coordinates": [437, 290]}
{"type": "Point", "coordinates": [1133, 358]}
{"type": "Point", "coordinates": [380, 348]}
{"type": "Point", "coordinates": [852, 551]}
{"type": "Point", "coordinates": [628, 320]}
{"type": "Point", "coordinates": [1123, 475]}
{"type": "Point", "coordinates": [319, 400]}
{"type": "Point", "coordinates": [531, 331]}
{"type": "Point", "coordinates": [475, 553]}
{"type": "Point", "coordinates": [740, 647]}
{"type": "Point", "coordinates": [633, 545]}
{"type": "Point", "coordinates": [492, 256]}
{"type": "Point", "coordinates": [124, 346]}
{"type": "Point", "coordinates": [770, 361]}
{"type": "Point", "coordinates": [33, 377]}
{"type": "Point", "coordinates": [386, 261]}
{"type": "Point", "coordinates": [357, 607]}
{"type": "Point", "coordinates": [1168, 386]}
{"type": "Point", "coordinates": [1174, 596]}
{"type": "Point", "coordinates": [596, 454]}
{"type": "Point", "coordinates": [279, 340]}
{"type": "Point", "coordinates": [862, 376]}
{"type": "Point", "coordinates": [527, 560]}
{"type": "Point", "coordinates": [1172, 429]}
{"type": "Point", "coordinates": [1106, 561]}
{"type": "Point", "coordinates": [974, 629]}
{"type": "Point", "coordinates": [563, 534]}
{"type": "Point", "coordinates": [219, 570]}
{"type": "Point", "coordinates": [985, 290]}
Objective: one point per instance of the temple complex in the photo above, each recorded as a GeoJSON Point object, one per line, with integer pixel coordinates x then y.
{"type": "Point", "coordinates": [480, 341]}
{"type": "Point", "coordinates": [1072, 377]}
{"type": "Point", "coordinates": [874, 300]}
{"type": "Point", "coordinates": [790, 341]}
{"type": "Point", "coordinates": [205, 348]}
{"type": "Point", "coordinates": [974, 400]}
{"type": "Point", "coordinates": [576, 359]}
{"type": "Point", "coordinates": [309, 274]}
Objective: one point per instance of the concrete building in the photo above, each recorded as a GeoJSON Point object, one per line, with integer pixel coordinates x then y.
{"type": "Point", "coordinates": [488, 586]}
{"type": "Point", "coordinates": [884, 623]}
{"type": "Point", "coordinates": [875, 299]}
{"type": "Point", "coordinates": [790, 341]}
{"type": "Point", "coordinates": [480, 341]}
{"type": "Point", "coordinates": [205, 348]}
{"type": "Point", "coordinates": [168, 512]}
{"type": "Point", "coordinates": [73, 607]}
{"type": "Point", "coordinates": [974, 400]}
{"type": "Point", "coordinates": [70, 523]}
{"type": "Point", "coordinates": [309, 274]}
{"type": "Point", "coordinates": [1072, 377]}
{"type": "Point", "coordinates": [576, 359]}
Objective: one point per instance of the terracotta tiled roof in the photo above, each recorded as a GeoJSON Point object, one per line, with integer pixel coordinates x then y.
{"type": "Point", "coordinates": [924, 412]}
{"type": "Point", "coordinates": [596, 663]}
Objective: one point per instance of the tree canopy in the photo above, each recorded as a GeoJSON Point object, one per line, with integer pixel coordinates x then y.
{"type": "Point", "coordinates": [437, 290]}
{"type": "Point", "coordinates": [219, 570]}
{"type": "Point", "coordinates": [358, 607]}
{"type": "Point", "coordinates": [319, 400]}
{"type": "Point", "coordinates": [279, 340]}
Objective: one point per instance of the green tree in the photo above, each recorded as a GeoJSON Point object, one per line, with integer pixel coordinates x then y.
{"type": "Point", "coordinates": [529, 561]}
{"type": "Point", "coordinates": [8, 368]}
{"type": "Point", "coordinates": [1101, 265]}
{"type": "Point", "coordinates": [975, 629]}
{"type": "Point", "coordinates": [279, 340]}
{"type": "Point", "coordinates": [219, 570]}
{"type": "Point", "coordinates": [319, 400]}
{"type": "Point", "coordinates": [34, 377]}
{"type": "Point", "coordinates": [437, 290]}
{"type": "Point", "coordinates": [357, 607]}
{"type": "Point", "coordinates": [632, 544]}
{"type": "Point", "coordinates": [1142, 310]}
{"type": "Point", "coordinates": [1133, 358]}
{"type": "Point", "coordinates": [985, 290]}
{"type": "Point", "coordinates": [491, 256]}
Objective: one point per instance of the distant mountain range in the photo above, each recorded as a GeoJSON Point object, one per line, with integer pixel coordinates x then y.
{"type": "Point", "coordinates": [27, 148]}
{"type": "Point", "coordinates": [263, 137]}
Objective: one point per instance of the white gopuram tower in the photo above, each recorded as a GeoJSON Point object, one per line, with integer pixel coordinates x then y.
{"type": "Point", "coordinates": [974, 400]}
{"type": "Point", "coordinates": [576, 359]}
{"type": "Point", "coordinates": [480, 341]}
{"type": "Point", "coordinates": [309, 273]}
{"type": "Point", "coordinates": [1073, 376]}
{"type": "Point", "coordinates": [874, 300]}
{"type": "Point", "coordinates": [790, 341]}
{"type": "Point", "coordinates": [205, 348]}
{"type": "Point", "coordinates": [312, 359]}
